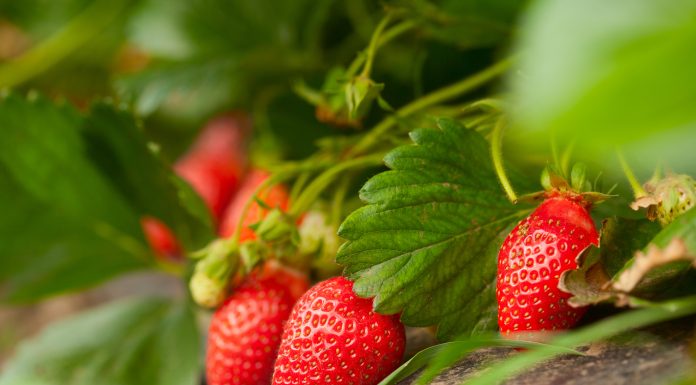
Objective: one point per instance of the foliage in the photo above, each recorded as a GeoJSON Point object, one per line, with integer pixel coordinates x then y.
{"type": "Point", "coordinates": [137, 341]}
{"type": "Point", "coordinates": [125, 85]}
{"type": "Point", "coordinates": [439, 209]}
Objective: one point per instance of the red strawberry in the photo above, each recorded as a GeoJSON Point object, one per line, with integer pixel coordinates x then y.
{"type": "Point", "coordinates": [334, 337]}
{"type": "Point", "coordinates": [245, 331]}
{"type": "Point", "coordinates": [216, 161]}
{"type": "Point", "coordinates": [532, 259]}
{"type": "Point", "coordinates": [213, 166]}
{"type": "Point", "coordinates": [160, 238]}
{"type": "Point", "coordinates": [275, 197]}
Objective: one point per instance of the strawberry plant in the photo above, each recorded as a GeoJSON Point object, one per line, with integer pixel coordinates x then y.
{"type": "Point", "coordinates": [286, 189]}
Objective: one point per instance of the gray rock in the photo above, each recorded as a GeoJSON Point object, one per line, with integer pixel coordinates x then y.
{"type": "Point", "coordinates": [654, 357]}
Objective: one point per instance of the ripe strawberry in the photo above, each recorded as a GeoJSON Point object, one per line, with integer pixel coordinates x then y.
{"type": "Point", "coordinates": [213, 166]}
{"type": "Point", "coordinates": [160, 238]}
{"type": "Point", "coordinates": [245, 331]}
{"type": "Point", "coordinates": [275, 197]}
{"type": "Point", "coordinates": [216, 161]}
{"type": "Point", "coordinates": [533, 257]}
{"type": "Point", "coordinates": [334, 337]}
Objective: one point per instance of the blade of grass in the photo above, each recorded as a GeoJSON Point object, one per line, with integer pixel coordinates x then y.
{"type": "Point", "coordinates": [443, 355]}
{"type": "Point", "coordinates": [668, 310]}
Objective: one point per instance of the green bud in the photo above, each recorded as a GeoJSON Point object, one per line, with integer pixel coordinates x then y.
{"type": "Point", "coordinates": [277, 226]}
{"type": "Point", "coordinates": [360, 92]}
{"type": "Point", "coordinates": [252, 254]}
{"type": "Point", "coordinates": [212, 273]}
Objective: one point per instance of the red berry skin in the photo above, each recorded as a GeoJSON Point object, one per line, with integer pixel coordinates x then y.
{"type": "Point", "coordinates": [533, 257]}
{"type": "Point", "coordinates": [275, 197]}
{"type": "Point", "coordinates": [245, 331]}
{"type": "Point", "coordinates": [334, 337]}
{"type": "Point", "coordinates": [215, 163]}
{"type": "Point", "coordinates": [160, 238]}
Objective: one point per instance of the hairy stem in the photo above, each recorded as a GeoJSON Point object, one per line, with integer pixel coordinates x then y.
{"type": "Point", "coordinates": [383, 39]}
{"type": "Point", "coordinates": [314, 189]}
{"type": "Point", "coordinates": [452, 91]}
{"type": "Point", "coordinates": [372, 48]}
{"type": "Point", "coordinates": [497, 156]}
{"type": "Point", "coordinates": [638, 190]}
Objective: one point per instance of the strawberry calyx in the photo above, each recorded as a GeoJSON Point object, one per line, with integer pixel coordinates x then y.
{"type": "Point", "coordinates": [556, 185]}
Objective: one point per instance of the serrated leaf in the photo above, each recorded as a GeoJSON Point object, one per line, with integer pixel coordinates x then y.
{"type": "Point", "coordinates": [426, 244]}
{"type": "Point", "coordinates": [117, 147]}
{"type": "Point", "coordinates": [72, 192]}
{"type": "Point", "coordinates": [140, 341]}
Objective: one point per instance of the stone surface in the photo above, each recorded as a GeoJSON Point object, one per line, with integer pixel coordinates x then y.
{"type": "Point", "coordinates": [653, 357]}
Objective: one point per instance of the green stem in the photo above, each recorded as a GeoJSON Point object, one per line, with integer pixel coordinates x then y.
{"type": "Point", "coordinates": [299, 185]}
{"type": "Point", "coordinates": [314, 189]}
{"type": "Point", "coordinates": [443, 94]}
{"type": "Point", "coordinates": [638, 190]}
{"type": "Point", "coordinates": [384, 38]}
{"type": "Point", "coordinates": [173, 268]}
{"type": "Point", "coordinates": [279, 174]}
{"type": "Point", "coordinates": [554, 151]}
{"type": "Point", "coordinates": [85, 26]}
{"type": "Point", "coordinates": [565, 159]}
{"type": "Point", "coordinates": [338, 198]}
{"type": "Point", "coordinates": [497, 156]}
{"type": "Point", "coordinates": [372, 48]}
{"type": "Point", "coordinates": [269, 182]}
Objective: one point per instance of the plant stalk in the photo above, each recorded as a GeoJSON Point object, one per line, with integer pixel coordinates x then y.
{"type": "Point", "coordinates": [452, 91]}
{"type": "Point", "coordinates": [497, 156]}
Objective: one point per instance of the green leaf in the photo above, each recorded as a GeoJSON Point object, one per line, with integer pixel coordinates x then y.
{"type": "Point", "coordinates": [218, 53]}
{"type": "Point", "coordinates": [621, 237]}
{"type": "Point", "coordinates": [606, 74]}
{"type": "Point", "coordinates": [72, 192]}
{"type": "Point", "coordinates": [118, 148]}
{"type": "Point", "coordinates": [426, 244]}
{"type": "Point", "coordinates": [139, 341]}
{"type": "Point", "coordinates": [684, 229]}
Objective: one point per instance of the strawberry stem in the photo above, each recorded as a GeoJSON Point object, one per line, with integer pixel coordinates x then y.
{"type": "Point", "coordinates": [372, 48]}
{"type": "Point", "coordinates": [497, 156]}
{"type": "Point", "coordinates": [314, 189]}
{"type": "Point", "coordinates": [638, 190]}
{"type": "Point", "coordinates": [443, 94]}
{"type": "Point", "coordinates": [170, 267]}
{"type": "Point", "coordinates": [383, 39]}
{"type": "Point", "coordinates": [337, 204]}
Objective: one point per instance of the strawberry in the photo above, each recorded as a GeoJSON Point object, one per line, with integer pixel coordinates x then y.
{"type": "Point", "coordinates": [216, 161]}
{"type": "Point", "coordinates": [334, 337]}
{"type": "Point", "coordinates": [213, 166]}
{"type": "Point", "coordinates": [245, 331]}
{"type": "Point", "coordinates": [160, 238]}
{"type": "Point", "coordinates": [533, 257]}
{"type": "Point", "coordinates": [274, 197]}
